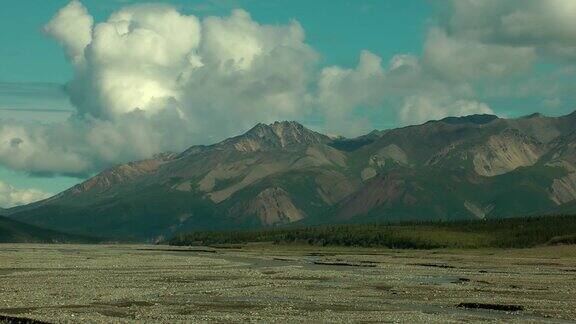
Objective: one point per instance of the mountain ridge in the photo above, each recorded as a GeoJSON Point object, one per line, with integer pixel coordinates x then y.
{"type": "Point", "coordinates": [477, 166]}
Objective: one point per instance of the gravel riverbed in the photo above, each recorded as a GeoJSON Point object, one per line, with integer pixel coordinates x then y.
{"type": "Point", "coordinates": [268, 283]}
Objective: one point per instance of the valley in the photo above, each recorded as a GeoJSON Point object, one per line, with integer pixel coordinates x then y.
{"type": "Point", "coordinates": [285, 283]}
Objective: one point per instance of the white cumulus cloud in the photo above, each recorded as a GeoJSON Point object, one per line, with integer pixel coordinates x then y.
{"type": "Point", "coordinates": [151, 79]}
{"type": "Point", "coordinates": [72, 27]}
{"type": "Point", "coordinates": [548, 26]}
{"type": "Point", "coordinates": [419, 109]}
{"type": "Point", "coordinates": [462, 59]}
{"type": "Point", "coordinates": [10, 196]}
{"type": "Point", "coordinates": [342, 90]}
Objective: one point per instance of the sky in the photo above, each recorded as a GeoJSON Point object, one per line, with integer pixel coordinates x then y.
{"type": "Point", "coordinates": [87, 84]}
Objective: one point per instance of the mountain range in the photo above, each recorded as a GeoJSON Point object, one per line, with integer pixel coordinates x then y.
{"type": "Point", "coordinates": [457, 168]}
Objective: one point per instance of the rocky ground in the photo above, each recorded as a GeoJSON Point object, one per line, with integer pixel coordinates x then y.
{"type": "Point", "coordinates": [266, 283]}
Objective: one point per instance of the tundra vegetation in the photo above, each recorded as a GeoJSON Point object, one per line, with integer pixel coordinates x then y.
{"type": "Point", "coordinates": [495, 233]}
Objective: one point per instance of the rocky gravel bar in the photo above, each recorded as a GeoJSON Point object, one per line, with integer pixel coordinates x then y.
{"type": "Point", "coordinates": [284, 283]}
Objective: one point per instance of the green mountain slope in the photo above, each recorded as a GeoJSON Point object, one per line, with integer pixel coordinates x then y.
{"type": "Point", "coordinates": [12, 231]}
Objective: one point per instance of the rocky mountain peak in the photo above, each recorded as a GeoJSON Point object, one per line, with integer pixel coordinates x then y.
{"type": "Point", "coordinates": [280, 134]}
{"type": "Point", "coordinates": [278, 128]}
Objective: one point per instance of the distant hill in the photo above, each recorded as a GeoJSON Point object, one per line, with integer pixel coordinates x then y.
{"type": "Point", "coordinates": [12, 231]}
{"type": "Point", "coordinates": [457, 168]}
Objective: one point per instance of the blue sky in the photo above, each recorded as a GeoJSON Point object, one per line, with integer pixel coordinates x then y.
{"type": "Point", "coordinates": [339, 29]}
{"type": "Point", "coordinates": [86, 92]}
